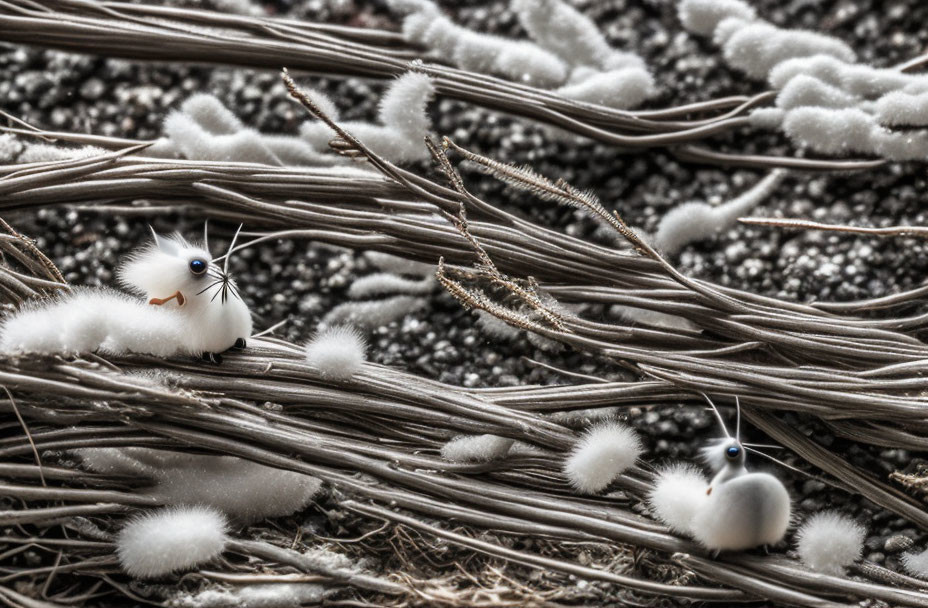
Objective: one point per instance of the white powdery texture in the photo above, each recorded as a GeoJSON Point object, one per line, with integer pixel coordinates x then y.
{"type": "Point", "coordinates": [403, 118]}
{"type": "Point", "coordinates": [702, 16]}
{"type": "Point", "coordinates": [476, 448]}
{"type": "Point", "coordinates": [170, 540]}
{"type": "Point", "coordinates": [679, 492]}
{"type": "Point", "coordinates": [899, 108]}
{"type": "Point", "coordinates": [696, 221]}
{"type": "Point", "coordinates": [337, 351]}
{"type": "Point", "coordinates": [244, 490]}
{"type": "Point", "coordinates": [268, 595]}
{"type": "Point", "coordinates": [601, 455]}
{"type": "Point", "coordinates": [916, 564]}
{"type": "Point", "coordinates": [829, 542]}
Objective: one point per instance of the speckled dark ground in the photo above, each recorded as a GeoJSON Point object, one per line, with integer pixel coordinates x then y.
{"type": "Point", "coordinates": [301, 282]}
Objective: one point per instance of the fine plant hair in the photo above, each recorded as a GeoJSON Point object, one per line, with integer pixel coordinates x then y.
{"type": "Point", "coordinates": [170, 540]}
{"type": "Point", "coordinates": [829, 542]}
{"type": "Point", "coordinates": [337, 351]}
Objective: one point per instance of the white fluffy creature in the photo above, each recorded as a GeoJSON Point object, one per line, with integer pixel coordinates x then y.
{"type": "Point", "coordinates": [741, 510]}
{"type": "Point", "coordinates": [170, 540]}
{"type": "Point", "coordinates": [696, 221]}
{"type": "Point", "coordinates": [191, 306]}
{"type": "Point", "coordinates": [829, 542]}
{"type": "Point", "coordinates": [239, 488]}
{"type": "Point", "coordinates": [605, 451]}
{"type": "Point", "coordinates": [337, 352]}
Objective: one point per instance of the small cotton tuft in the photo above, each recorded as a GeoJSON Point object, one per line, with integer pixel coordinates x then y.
{"type": "Point", "coordinates": [495, 327]}
{"type": "Point", "coordinates": [476, 448]}
{"type": "Point", "coordinates": [601, 455]}
{"type": "Point", "coordinates": [679, 491]}
{"type": "Point", "coordinates": [338, 352]}
{"type": "Point", "coordinates": [624, 88]}
{"type": "Point", "coordinates": [757, 47]}
{"type": "Point", "coordinates": [830, 131]}
{"type": "Point", "coordinates": [898, 108]}
{"type": "Point", "coordinates": [829, 542]}
{"type": "Point", "coordinates": [916, 564]}
{"type": "Point", "coordinates": [383, 283]}
{"type": "Point", "coordinates": [170, 540]}
{"type": "Point", "coordinates": [803, 90]}
{"type": "Point", "coordinates": [373, 313]}
{"type": "Point", "coordinates": [702, 16]}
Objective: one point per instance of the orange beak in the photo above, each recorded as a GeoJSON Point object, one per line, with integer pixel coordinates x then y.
{"type": "Point", "coordinates": [159, 301]}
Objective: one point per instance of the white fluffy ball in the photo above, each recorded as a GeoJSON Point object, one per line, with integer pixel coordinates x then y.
{"type": "Point", "coordinates": [170, 540]}
{"type": "Point", "coordinates": [702, 16]}
{"type": "Point", "coordinates": [828, 542]}
{"type": "Point", "coordinates": [916, 564]}
{"type": "Point", "coordinates": [679, 491]}
{"type": "Point", "coordinates": [337, 352]}
{"type": "Point", "coordinates": [601, 455]}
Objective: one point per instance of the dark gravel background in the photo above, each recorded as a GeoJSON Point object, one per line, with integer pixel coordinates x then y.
{"type": "Point", "coordinates": [301, 282]}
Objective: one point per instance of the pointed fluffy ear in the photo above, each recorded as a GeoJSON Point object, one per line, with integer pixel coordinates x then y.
{"type": "Point", "coordinates": [164, 244]}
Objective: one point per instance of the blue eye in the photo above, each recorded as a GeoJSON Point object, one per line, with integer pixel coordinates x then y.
{"type": "Point", "coordinates": [733, 451]}
{"type": "Point", "coordinates": [198, 266]}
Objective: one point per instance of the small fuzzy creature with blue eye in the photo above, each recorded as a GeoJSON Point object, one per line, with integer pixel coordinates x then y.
{"type": "Point", "coordinates": [192, 306]}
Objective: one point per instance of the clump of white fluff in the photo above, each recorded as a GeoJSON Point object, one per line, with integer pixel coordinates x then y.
{"type": "Point", "coordinates": [602, 454]}
{"type": "Point", "coordinates": [702, 16]}
{"type": "Point", "coordinates": [262, 595]}
{"type": "Point", "coordinates": [696, 221]}
{"type": "Point", "coordinates": [899, 108]}
{"type": "Point", "coordinates": [476, 448]}
{"type": "Point", "coordinates": [170, 540]}
{"type": "Point", "coordinates": [679, 492]}
{"type": "Point", "coordinates": [244, 490]}
{"type": "Point", "coordinates": [337, 351]}
{"type": "Point", "coordinates": [831, 131]}
{"type": "Point", "coordinates": [623, 88]}
{"type": "Point", "coordinates": [403, 118]}
{"type": "Point", "coordinates": [756, 47]}
{"type": "Point", "coordinates": [495, 327]}
{"type": "Point", "coordinates": [652, 318]}
{"type": "Point", "coordinates": [829, 542]}
{"type": "Point", "coordinates": [805, 90]}
{"type": "Point", "coordinates": [916, 564]}
{"type": "Point", "coordinates": [860, 80]}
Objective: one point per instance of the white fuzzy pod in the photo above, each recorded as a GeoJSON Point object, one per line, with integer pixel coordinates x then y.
{"type": "Point", "coordinates": [196, 143]}
{"type": "Point", "coordinates": [767, 118]}
{"type": "Point", "coordinates": [10, 147]}
{"type": "Point", "coordinates": [916, 564]}
{"type": "Point", "coordinates": [702, 16]}
{"type": "Point", "coordinates": [337, 351]}
{"type": "Point", "coordinates": [898, 108]}
{"type": "Point", "coordinates": [804, 90]}
{"type": "Point", "coordinates": [678, 494]}
{"type": "Point", "coordinates": [476, 448]}
{"type": "Point", "coordinates": [622, 89]}
{"type": "Point", "coordinates": [383, 283]}
{"type": "Point", "coordinates": [842, 131]}
{"type": "Point", "coordinates": [395, 264]}
{"type": "Point", "coordinates": [244, 490]}
{"type": "Point", "coordinates": [601, 455]}
{"type": "Point", "coordinates": [494, 327]}
{"type": "Point", "coordinates": [859, 80]}
{"type": "Point", "coordinates": [829, 542]}
{"type": "Point", "coordinates": [43, 153]}
{"type": "Point", "coordinates": [210, 113]}
{"type": "Point", "coordinates": [563, 30]}
{"type": "Point", "coordinates": [756, 47]}
{"type": "Point", "coordinates": [696, 221]}
{"type": "Point", "coordinates": [263, 595]}
{"type": "Point", "coordinates": [374, 313]}
{"type": "Point", "coordinates": [170, 540]}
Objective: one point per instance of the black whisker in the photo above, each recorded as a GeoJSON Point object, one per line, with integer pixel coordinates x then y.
{"type": "Point", "coordinates": [211, 285]}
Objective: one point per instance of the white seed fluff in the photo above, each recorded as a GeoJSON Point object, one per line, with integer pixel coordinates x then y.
{"type": "Point", "coordinates": [170, 540]}
{"type": "Point", "coordinates": [696, 221]}
{"type": "Point", "coordinates": [804, 90]}
{"type": "Point", "coordinates": [476, 448]}
{"type": "Point", "coordinates": [497, 328]}
{"type": "Point", "coordinates": [384, 283]}
{"type": "Point", "coordinates": [622, 89]}
{"type": "Point", "coordinates": [829, 542]}
{"type": "Point", "coordinates": [702, 16]}
{"type": "Point", "coordinates": [602, 454]}
{"type": "Point", "coordinates": [842, 131]}
{"type": "Point", "coordinates": [916, 564]}
{"type": "Point", "coordinates": [899, 108]}
{"type": "Point", "coordinates": [679, 492]}
{"type": "Point", "coordinates": [372, 314]}
{"type": "Point", "coordinates": [337, 351]}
